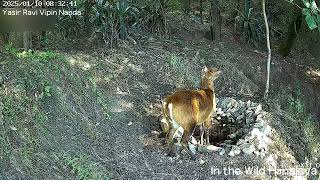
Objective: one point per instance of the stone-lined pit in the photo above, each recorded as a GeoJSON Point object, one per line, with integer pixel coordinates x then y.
{"type": "Point", "coordinates": [240, 127]}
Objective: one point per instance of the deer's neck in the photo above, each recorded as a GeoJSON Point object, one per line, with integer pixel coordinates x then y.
{"type": "Point", "coordinates": [206, 84]}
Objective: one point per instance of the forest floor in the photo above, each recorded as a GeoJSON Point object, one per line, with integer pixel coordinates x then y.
{"type": "Point", "coordinates": [80, 110]}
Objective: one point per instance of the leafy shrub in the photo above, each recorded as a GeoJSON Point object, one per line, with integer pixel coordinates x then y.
{"type": "Point", "coordinates": [248, 25]}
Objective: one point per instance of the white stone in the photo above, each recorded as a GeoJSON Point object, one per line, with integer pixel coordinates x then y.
{"type": "Point", "coordinates": [233, 135]}
{"type": "Point", "coordinates": [155, 132]}
{"type": "Point", "coordinates": [249, 150]}
{"type": "Point", "coordinates": [201, 161]}
{"type": "Point", "coordinates": [259, 118]}
{"type": "Point", "coordinates": [222, 152]}
{"type": "Point", "coordinates": [193, 148]}
{"type": "Point", "coordinates": [258, 109]}
{"type": "Point", "coordinates": [256, 152]}
{"type": "Point", "coordinates": [248, 104]}
{"type": "Point", "coordinates": [249, 120]}
{"type": "Point", "coordinates": [240, 117]}
{"type": "Point", "coordinates": [234, 151]}
{"type": "Point", "coordinates": [241, 141]}
{"type": "Point", "coordinates": [266, 130]}
{"type": "Point", "coordinates": [193, 140]}
{"type": "Point", "coordinates": [212, 148]}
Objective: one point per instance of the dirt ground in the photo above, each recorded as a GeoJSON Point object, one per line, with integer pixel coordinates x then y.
{"type": "Point", "coordinates": [133, 78]}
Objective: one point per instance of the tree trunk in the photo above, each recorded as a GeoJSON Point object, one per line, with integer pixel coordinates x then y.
{"type": "Point", "coordinates": [86, 16]}
{"type": "Point", "coordinates": [201, 11]}
{"type": "Point", "coordinates": [27, 40]}
{"type": "Point", "coordinates": [269, 49]}
{"type": "Point", "coordinates": [186, 6]}
{"type": "Point", "coordinates": [215, 21]}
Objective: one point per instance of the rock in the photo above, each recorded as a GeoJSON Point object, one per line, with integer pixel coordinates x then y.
{"type": "Point", "coordinates": [222, 152]}
{"type": "Point", "coordinates": [256, 152]}
{"type": "Point", "coordinates": [248, 104]}
{"type": "Point", "coordinates": [262, 154]}
{"type": "Point", "coordinates": [211, 148]}
{"type": "Point", "coordinates": [244, 145]}
{"type": "Point", "coordinates": [193, 140]}
{"type": "Point", "coordinates": [249, 150]}
{"type": "Point", "coordinates": [258, 125]}
{"type": "Point", "coordinates": [13, 128]}
{"type": "Point", "coordinates": [249, 113]}
{"type": "Point", "coordinates": [193, 148]}
{"type": "Point", "coordinates": [253, 104]}
{"type": "Point", "coordinates": [233, 135]}
{"type": "Point", "coordinates": [266, 130]}
{"type": "Point", "coordinates": [256, 132]}
{"type": "Point", "coordinates": [227, 103]}
{"type": "Point", "coordinates": [155, 132]}
{"type": "Point", "coordinates": [201, 161]}
{"type": "Point", "coordinates": [240, 118]}
{"type": "Point", "coordinates": [258, 109]}
{"type": "Point", "coordinates": [262, 146]}
{"type": "Point", "coordinates": [260, 118]}
{"type": "Point", "coordinates": [1, 81]}
{"type": "Point", "coordinates": [219, 111]}
{"type": "Point", "coordinates": [242, 110]}
{"type": "Point", "coordinates": [234, 151]}
{"type": "Point", "coordinates": [249, 137]}
{"type": "Point", "coordinates": [249, 120]}
{"type": "Point", "coordinates": [241, 141]}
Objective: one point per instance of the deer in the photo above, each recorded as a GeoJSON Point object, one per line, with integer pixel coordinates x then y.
{"type": "Point", "coordinates": [189, 108]}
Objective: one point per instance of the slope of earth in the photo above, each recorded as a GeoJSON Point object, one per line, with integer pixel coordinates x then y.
{"type": "Point", "coordinates": [86, 112]}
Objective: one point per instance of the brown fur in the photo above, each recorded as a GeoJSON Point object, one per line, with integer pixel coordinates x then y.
{"type": "Point", "coordinates": [192, 107]}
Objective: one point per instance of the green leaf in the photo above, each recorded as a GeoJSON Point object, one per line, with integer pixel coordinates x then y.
{"type": "Point", "coordinates": [318, 21]}
{"type": "Point", "coordinates": [47, 88]}
{"type": "Point", "coordinates": [311, 21]}
{"type": "Point", "coordinates": [306, 3]}
{"type": "Point", "coordinates": [306, 11]}
{"type": "Point", "coordinates": [314, 7]}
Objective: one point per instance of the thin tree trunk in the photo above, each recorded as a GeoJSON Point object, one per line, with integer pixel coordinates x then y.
{"type": "Point", "coordinates": [201, 11]}
{"type": "Point", "coordinates": [27, 40]}
{"type": "Point", "coordinates": [269, 49]}
{"type": "Point", "coordinates": [215, 21]}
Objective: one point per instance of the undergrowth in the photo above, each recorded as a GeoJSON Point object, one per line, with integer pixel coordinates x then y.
{"type": "Point", "coordinates": [38, 92]}
{"type": "Point", "coordinates": [84, 168]}
{"type": "Point", "coordinates": [183, 72]}
{"type": "Point", "coordinates": [307, 122]}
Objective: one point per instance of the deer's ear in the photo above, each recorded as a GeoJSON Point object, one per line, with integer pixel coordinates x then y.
{"type": "Point", "coordinates": [205, 69]}
{"type": "Point", "coordinates": [218, 73]}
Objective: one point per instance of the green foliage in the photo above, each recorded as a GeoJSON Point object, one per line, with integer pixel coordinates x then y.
{"type": "Point", "coordinates": [70, 26]}
{"type": "Point", "coordinates": [113, 18]}
{"type": "Point", "coordinates": [39, 91]}
{"type": "Point", "coordinates": [296, 106]}
{"type": "Point", "coordinates": [84, 168]}
{"type": "Point", "coordinates": [10, 48]}
{"type": "Point", "coordinates": [248, 25]}
{"type": "Point", "coordinates": [153, 15]}
{"type": "Point", "coordinates": [311, 13]}
{"type": "Point", "coordinates": [308, 123]}
{"type": "Point", "coordinates": [176, 63]}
